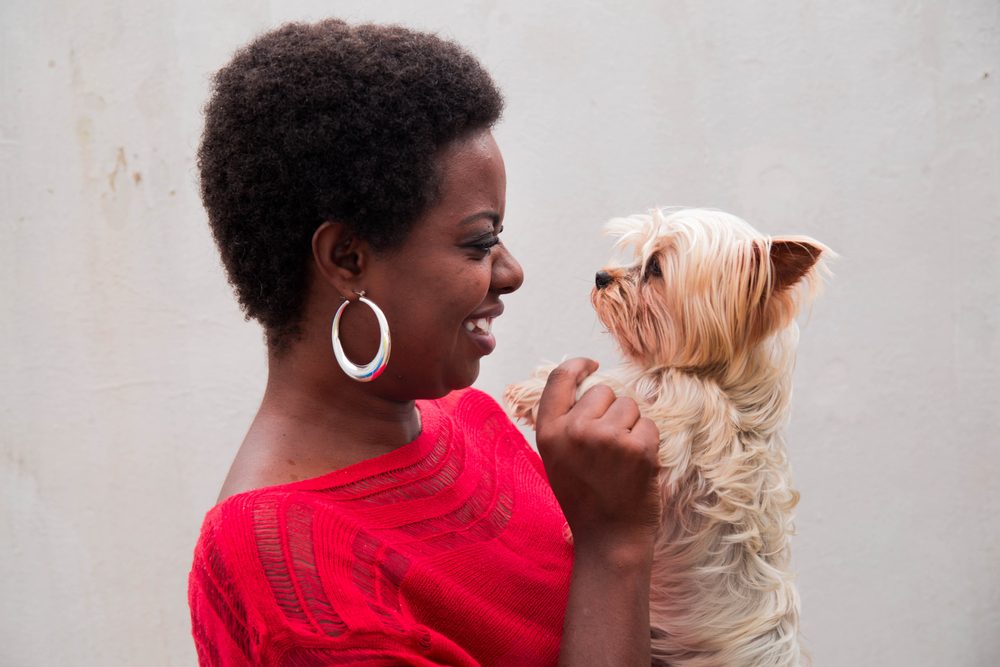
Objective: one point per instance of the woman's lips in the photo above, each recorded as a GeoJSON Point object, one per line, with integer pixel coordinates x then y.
{"type": "Point", "coordinates": [480, 331]}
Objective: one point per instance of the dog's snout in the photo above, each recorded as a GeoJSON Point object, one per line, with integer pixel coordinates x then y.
{"type": "Point", "coordinates": [603, 279]}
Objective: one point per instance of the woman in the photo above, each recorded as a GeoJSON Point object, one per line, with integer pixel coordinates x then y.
{"type": "Point", "coordinates": [384, 513]}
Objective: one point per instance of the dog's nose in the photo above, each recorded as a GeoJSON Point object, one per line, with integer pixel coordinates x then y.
{"type": "Point", "coordinates": [603, 279]}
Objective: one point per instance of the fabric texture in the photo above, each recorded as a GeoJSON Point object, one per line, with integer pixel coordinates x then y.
{"type": "Point", "coordinates": [446, 551]}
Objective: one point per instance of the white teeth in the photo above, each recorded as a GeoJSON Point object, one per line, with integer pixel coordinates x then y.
{"type": "Point", "coordinates": [482, 325]}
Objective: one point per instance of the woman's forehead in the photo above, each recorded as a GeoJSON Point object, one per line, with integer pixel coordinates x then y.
{"type": "Point", "coordinates": [473, 178]}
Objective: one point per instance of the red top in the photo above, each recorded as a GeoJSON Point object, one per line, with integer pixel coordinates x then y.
{"type": "Point", "coordinates": [446, 551]}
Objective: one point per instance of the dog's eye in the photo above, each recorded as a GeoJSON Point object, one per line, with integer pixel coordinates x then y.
{"type": "Point", "coordinates": [653, 268]}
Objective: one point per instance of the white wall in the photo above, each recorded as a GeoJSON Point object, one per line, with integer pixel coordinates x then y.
{"type": "Point", "coordinates": [129, 375]}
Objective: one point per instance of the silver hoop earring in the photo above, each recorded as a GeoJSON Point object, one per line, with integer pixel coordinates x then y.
{"type": "Point", "coordinates": [374, 368]}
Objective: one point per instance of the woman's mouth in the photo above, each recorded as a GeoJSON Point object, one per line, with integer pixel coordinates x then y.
{"type": "Point", "coordinates": [479, 325]}
{"type": "Point", "coordinates": [480, 330]}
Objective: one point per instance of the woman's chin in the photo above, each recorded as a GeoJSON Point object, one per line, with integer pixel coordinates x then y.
{"type": "Point", "coordinates": [464, 378]}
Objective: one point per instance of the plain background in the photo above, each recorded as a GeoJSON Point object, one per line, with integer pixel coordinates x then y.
{"type": "Point", "coordinates": [129, 375]}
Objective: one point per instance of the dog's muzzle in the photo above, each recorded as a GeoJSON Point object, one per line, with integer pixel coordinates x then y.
{"type": "Point", "coordinates": [603, 279]}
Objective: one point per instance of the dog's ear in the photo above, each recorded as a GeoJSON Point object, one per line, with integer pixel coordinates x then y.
{"type": "Point", "coordinates": [791, 260]}
{"type": "Point", "coordinates": [795, 261]}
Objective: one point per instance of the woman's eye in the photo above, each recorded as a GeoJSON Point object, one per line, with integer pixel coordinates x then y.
{"type": "Point", "coordinates": [485, 244]}
{"type": "Point", "coordinates": [653, 268]}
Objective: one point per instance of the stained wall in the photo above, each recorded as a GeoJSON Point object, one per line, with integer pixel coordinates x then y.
{"type": "Point", "coordinates": [129, 375]}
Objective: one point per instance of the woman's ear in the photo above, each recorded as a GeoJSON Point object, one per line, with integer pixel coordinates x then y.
{"type": "Point", "coordinates": [340, 257]}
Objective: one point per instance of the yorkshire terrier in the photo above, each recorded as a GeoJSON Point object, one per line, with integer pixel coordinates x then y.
{"type": "Point", "coordinates": [705, 315]}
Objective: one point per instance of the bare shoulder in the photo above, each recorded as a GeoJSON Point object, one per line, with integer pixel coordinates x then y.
{"type": "Point", "coordinates": [255, 468]}
{"type": "Point", "coordinates": [275, 453]}
{"type": "Point", "coordinates": [265, 459]}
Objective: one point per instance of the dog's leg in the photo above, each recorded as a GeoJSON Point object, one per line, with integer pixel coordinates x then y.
{"type": "Point", "coordinates": [521, 399]}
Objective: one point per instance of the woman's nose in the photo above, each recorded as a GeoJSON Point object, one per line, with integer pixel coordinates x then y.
{"type": "Point", "coordinates": [507, 272]}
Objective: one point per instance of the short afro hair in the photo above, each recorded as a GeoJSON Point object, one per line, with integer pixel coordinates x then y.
{"type": "Point", "coordinates": [328, 121]}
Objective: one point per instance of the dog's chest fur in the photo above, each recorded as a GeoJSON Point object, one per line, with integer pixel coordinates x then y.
{"type": "Point", "coordinates": [721, 593]}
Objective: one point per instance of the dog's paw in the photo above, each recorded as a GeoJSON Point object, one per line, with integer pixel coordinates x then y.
{"type": "Point", "coordinates": [521, 399]}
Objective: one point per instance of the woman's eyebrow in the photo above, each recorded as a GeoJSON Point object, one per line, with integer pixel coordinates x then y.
{"type": "Point", "coordinates": [492, 215]}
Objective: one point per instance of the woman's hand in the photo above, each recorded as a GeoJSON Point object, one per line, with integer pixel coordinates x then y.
{"type": "Point", "coordinates": [601, 459]}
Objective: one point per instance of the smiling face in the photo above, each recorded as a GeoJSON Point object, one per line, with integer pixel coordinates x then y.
{"type": "Point", "coordinates": [440, 290]}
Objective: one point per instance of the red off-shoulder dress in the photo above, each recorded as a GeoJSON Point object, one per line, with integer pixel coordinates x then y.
{"type": "Point", "coordinates": [447, 551]}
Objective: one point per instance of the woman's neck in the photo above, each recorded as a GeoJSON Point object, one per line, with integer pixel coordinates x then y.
{"type": "Point", "coordinates": [306, 388]}
{"type": "Point", "coordinates": [313, 420]}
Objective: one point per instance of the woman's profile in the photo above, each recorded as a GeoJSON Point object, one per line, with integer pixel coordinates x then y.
{"type": "Point", "coordinates": [379, 510]}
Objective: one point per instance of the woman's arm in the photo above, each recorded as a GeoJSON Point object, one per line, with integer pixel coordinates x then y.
{"type": "Point", "coordinates": [601, 459]}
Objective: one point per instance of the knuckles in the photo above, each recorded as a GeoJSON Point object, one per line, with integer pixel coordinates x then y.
{"type": "Point", "coordinates": [628, 402]}
{"type": "Point", "coordinates": [602, 392]}
{"type": "Point", "coordinates": [576, 432]}
{"type": "Point", "coordinates": [605, 441]}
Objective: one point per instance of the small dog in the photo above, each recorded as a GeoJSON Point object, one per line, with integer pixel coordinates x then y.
{"type": "Point", "coordinates": [705, 314]}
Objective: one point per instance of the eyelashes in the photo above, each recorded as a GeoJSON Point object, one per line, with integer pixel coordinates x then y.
{"type": "Point", "coordinates": [486, 243]}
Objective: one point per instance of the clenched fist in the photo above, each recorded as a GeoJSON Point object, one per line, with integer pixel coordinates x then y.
{"type": "Point", "coordinates": [600, 455]}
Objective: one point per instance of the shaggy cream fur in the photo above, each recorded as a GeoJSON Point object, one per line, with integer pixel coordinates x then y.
{"type": "Point", "coordinates": [705, 314]}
